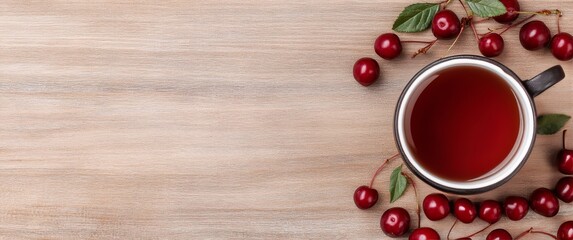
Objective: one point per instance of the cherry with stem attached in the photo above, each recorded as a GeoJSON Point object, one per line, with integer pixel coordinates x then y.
{"type": "Point", "coordinates": [365, 196]}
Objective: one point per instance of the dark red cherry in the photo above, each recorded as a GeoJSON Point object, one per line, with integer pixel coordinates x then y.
{"type": "Point", "coordinates": [388, 46]}
{"type": "Point", "coordinates": [366, 71]}
{"type": "Point", "coordinates": [565, 158]}
{"type": "Point", "coordinates": [465, 210]}
{"type": "Point", "coordinates": [512, 7]}
{"type": "Point", "coordinates": [499, 234]}
{"type": "Point", "coordinates": [424, 233]}
{"type": "Point", "coordinates": [564, 189]}
{"type": "Point", "coordinates": [446, 25]}
{"type": "Point", "coordinates": [490, 211]}
{"type": "Point", "coordinates": [534, 35]}
{"type": "Point", "coordinates": [515, 208]}
{"type": "Point", "coordinates": [491, 45]}
{"type": "Point", "coordinates": [395, 222]}
{"type": "Point", "coordinates": [436, 206]}
{"type": "Point", "coordinates": [365, 197]}
{"type": "Point", "coordinates": [544, 202]}
{"type": "Point", "coordinates": [562, 46]}
{"type": "Point", "coordinates": [565, 231]}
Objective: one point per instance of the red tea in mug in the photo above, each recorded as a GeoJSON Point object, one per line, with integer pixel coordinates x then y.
{"type": "Point", "coordinates": [464, 123]}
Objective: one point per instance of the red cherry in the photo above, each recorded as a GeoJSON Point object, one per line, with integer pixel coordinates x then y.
{"type": "Point", "coordinates": [499, 234]}
{"type": "Point", "coordinates": [491, 45]}
{"type": "Point", "coordinates": [395, 222]}
{"type": "Point", "coordinates": [366, 71]}
{"type": "Point", "coordinates": [564, 189]}
{"type": "Point", "coordinates": [565, 231]}
{"type": "Point", "coordinates": [562, 46]}
{"type": "Point", "coordinates": [565, 158]}
{"type": "Point", "coordinates": [512, 7]}
{"type": "Point", "coordinates": [534, 35]}
{"type": "Point", "coordinates": [490, 211]}
{"type": "Point", "coordinates": [543, 201]}
{"type": "Point", "coordinates": [365, 197]}
{"type": "Point", "coordinates": [436, 206]}
{"type": "Point", "coordinates": [388, 46]}
{"type": "Point", "coordinates": [446, 24]}
{"type": "Point", "coordinates": [464, 210]}
{"type": "Point", "coordinates": [424, 233]}
{"type": "Point", "coordinates": [515, 207]}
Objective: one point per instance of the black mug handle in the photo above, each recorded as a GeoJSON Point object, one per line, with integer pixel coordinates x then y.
{"type": "Point", "coordinates": [544, 80]}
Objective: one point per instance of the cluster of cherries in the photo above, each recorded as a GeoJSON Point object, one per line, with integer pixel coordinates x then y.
{"type": "Point", "coordinates": [395, 222]}
{"type": "Point", "coordinates": [534, 35]}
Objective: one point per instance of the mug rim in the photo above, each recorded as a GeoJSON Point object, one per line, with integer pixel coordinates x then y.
{"type": "Point", "coordinates": [529, 104]}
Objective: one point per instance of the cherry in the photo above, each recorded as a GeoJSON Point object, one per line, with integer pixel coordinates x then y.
{"type": "Point", "coordinates": [365, 197]}
{"type": "Point", "coordinates": [491, 45]}
{"type": "Point", "coordinates": [424, 233]}
{"type": "Point", "coordinates": [564, 189]}
{"type": "Point", "coordinates": [562, 46]}
{"type": "Point", "coordinates": [388, 46]}
{"type": "Point", "coordinates": [565, 231]}
{"type": "Point", "coordinates": [499, 234]}
{"type": "Point", "coordinates": [395, 222]}
{"type": "Point", "coordinates": [565, 158]}
{"type": "Point", "coordinates": [490, 211]}
{"type": "Point", "coordinates": [446, 25]}
{"type": "Point", "coordinates": [366, 71]}
{"type": "Point", "coordinates": [534, 35]}
{"type": "Point", "coordinates": [515, 207]}
{"type": "Point", "coordinates": [544, 202]}
{"type": "Point", "coordinates": [512, 7]}
{"type": "Point", "coordinates": [436, 206]}
{"type": "Point", "coordinates": [464, 210]}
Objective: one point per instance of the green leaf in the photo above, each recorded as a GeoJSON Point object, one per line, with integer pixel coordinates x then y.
{"type": "Point", "coordinates": [397, 184]}
{"type": "Point", "coordinates": [551, 123]}
{"type": "Point", "coordinates": [416, 17]}
{"type": "Point", "coordinates": [486, 8]}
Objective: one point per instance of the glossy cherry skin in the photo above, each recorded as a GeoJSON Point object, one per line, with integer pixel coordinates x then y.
{"type": "Point", "coordinates": [564, 189]}
{"type": "Point", "coordinates": [512, 7]}
{"type": "Point", "coordinates": [499, 234]}
{"type": "Point", "coordinates": [465, 210]}
{"type": "Point", "coordinates": [395, 222]}
{"type": "Point", "coordinates": [544, 202]}
{"type": "Point", "coordinates": [388, 46]}
{"type": "Point", "coordinates": [565, 231]}
{"type": "Point", "coordinates": [490, 211]}
{"type": "Point", "coordinates": [424, 233]}
{"type": "Point", "coordinates": [534, 35]}
{"type": "Point", "coordinates": [446, 25]}
{"type": "Point", "coordinates": [562, 46]}
{"type": "Point", "coordinates": [366, 71]}
{"type": "Point", "coordinates": [436, 206]}
{"type": "Point", "coordinates": [515, 208]}
{"type": "Point", "coordinates": [491, 45]}
{"type": "Point", "coordinates": [365, 197]}
{"type": "Point", "coordinates": [565, 161]}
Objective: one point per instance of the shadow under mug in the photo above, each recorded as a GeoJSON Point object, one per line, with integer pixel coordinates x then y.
{"type": "Point", "coordinates": [524, 92]}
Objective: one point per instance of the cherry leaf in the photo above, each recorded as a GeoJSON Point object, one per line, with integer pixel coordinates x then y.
{"type": "Point", "coordinates": [398, 184]}
{"type": "Point", "coordinates": [416, 17]}
{"type": "Point", "coordinates": [548, 124]}
{"type": "Point", "coordinates": [486, 8]}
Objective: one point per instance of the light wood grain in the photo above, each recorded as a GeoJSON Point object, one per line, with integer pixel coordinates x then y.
{"type": "Point", "coordinates": [218, 119]}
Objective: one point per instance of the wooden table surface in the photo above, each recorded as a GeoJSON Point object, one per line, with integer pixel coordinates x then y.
{"type": "Point", "coordinates": [220, 119]}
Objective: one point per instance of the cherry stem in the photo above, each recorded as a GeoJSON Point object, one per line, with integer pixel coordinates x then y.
{"type": "Point", "coordinates": [516, 24]}
{"type": "Point", "coordinates": [465, 9]}
{"type": "Point", "coordinates": [382, 166]}
{"type": "Point", "coordinates": [474, 30]}
{"type": "Point", "coordinates": [425, 49]}
{"type": "Point", "coordinates": [476, 233]}
{"type": "Point", "coordinates": [410, 41]}
{"type": "Point", "coordinates": [558, 21]}
{"type": "Point", "coordinates": [564, 132]}
{"type": "Point", "coordinates": [445, 2]}
{"type": "Point", "coordinates": [530, 230]}
{"type": "Point", "coordinates": [451, 228]}
{"type": "Point", "coordinates": [464, 22]}
{"type": "Point", "coordinates": [416, 194]}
